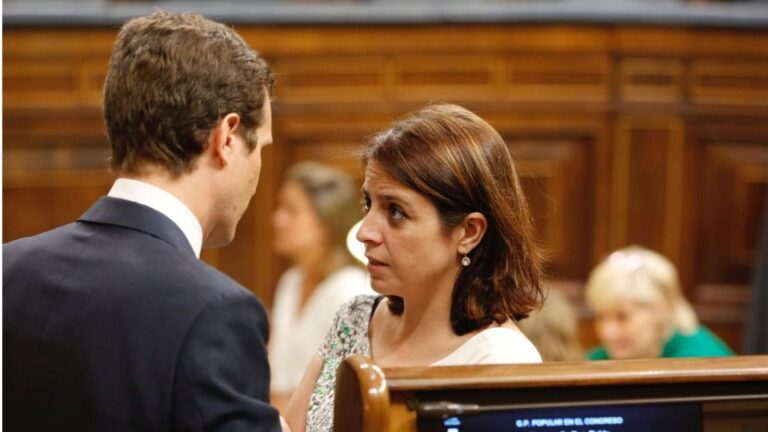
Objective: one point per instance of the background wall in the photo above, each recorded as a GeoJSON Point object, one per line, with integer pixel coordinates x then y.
{"type": "Point", "coordinates": [655, 135]}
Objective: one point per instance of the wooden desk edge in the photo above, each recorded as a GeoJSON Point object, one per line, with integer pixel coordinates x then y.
{"type": "Point", "coordinates": [574, 374]}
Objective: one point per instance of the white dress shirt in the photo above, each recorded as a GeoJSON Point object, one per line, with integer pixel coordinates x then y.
{"type": "Point", "coordinates": [165, 203]}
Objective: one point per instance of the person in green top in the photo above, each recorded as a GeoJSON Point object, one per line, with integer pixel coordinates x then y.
{"type": "Point", "coordinates": [640, 310]}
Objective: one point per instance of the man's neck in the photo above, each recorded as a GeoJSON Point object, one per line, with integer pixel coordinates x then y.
{"type": "Point", "coordinates": [164, 201]}
{"type": "Point", "coordinates": [182, 187]}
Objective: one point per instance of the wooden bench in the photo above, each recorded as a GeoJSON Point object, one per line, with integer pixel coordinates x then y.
{"type": "Point", "coordinates": [730, 393]}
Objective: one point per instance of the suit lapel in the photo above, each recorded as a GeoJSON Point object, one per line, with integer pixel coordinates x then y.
{"type": "Point", "coordinates": [135, 216]}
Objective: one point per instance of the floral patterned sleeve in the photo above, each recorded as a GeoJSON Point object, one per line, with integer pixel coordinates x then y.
{"type": "Point", "coordinates": [348, 335]}
{"type": "Point", "coordinates": [330, 334]}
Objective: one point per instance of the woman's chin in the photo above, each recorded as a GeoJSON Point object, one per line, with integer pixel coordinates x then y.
{"type": "Point", "coordinates": [621, 353]}
{"type": "Point", "coordinates": [380, 287]}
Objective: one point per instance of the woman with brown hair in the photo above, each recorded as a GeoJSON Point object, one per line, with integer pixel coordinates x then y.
{"type": "Point", "coordinates": [450, 248]}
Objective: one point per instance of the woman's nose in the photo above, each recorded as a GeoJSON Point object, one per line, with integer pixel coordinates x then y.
{"type": "Point", "coordinates": [610, 330]}
{"type": "Point", "coordinates": [368, 231]}
{"type": "Point", "coordinates": [278, 218]}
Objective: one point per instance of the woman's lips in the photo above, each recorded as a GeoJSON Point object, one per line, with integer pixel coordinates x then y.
{"type": "Point", "coordinates": [374, 263]}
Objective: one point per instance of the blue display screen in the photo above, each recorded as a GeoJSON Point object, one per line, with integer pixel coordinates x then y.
{"type": "Point", "coordinates": [674, 417]}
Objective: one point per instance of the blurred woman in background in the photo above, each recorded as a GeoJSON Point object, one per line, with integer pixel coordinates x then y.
{"type": "Point", "coordinates": [316, 207]}
{"type": "Point", "coordinates": [640, 310]}
{"type": "Point", "coordinates": [554, 329]}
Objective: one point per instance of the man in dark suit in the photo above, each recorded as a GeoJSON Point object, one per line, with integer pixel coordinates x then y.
{"type": "Point", "coordinates": [112, 323]}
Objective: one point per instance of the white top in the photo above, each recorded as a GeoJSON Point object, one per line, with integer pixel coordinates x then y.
{"type": "Point", "coordinates": [297, 334]}
{"type": "Point", "coordinates": [495, 345]}
{"type": "Point", "coordinates": [350, 336]}
{"type": "Point", "coordinates": [165, 203]}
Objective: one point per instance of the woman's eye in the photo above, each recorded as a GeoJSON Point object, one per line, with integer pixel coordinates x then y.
{"type": "Point", "coordinates": [396, 213]}
{"type": "Point", "coordinates": [365, 203]}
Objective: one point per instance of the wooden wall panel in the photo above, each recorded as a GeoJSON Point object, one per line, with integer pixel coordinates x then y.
{"type": "Point", "coordinates": [657, 80]}
{"type": "Point", "coordinates": [340, 79]}
{"type": "Point", "coordinates": [737, 177]}
{"type": "Point", "coordinates": [556, 155]}
{"type": "Point", "coordinates": [722, 307]}
{"type": "Point", "coordinates": [48, 128]}
{"type": "Point", "coordinates": [555, 179]}
{"type": "Point", "coordinates": [422, 78]}
{"type": "Point", "coordinates": [728, 82]}
{"type": "Point", "coordinates": [463, 77]}
{"type": "Point", "coordinates": [585, 78]}
{"type": "Point", "coordinates": [647, 178]}
{"type": "Point", "coordinates": [33, 203]}
{"type": "Point", "coordinates": [732, 191]}
{"type": "Point", "coordinates": [622, 134]}
{"type": "Point", "coordinates": [331, 137]}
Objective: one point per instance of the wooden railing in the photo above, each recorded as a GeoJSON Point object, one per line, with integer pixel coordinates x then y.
{"type": "Point", "coordinates": [370, 399]}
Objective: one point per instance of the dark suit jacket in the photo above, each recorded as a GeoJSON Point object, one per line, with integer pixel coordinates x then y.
{"type": "Point", "coordinates": [112, 324]}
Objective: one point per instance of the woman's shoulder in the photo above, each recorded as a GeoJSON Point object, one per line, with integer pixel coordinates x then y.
{"type": "Point", "coordinates": [288, 286]}
{"type": "Point", "coordinates": [291, 278]}
{"type": "Point", "coordinates": [349, 332]}
{"type": "Point", "coordinates": [357, 308]}
{"type": "Point", "coordinates": [597, 353]}
{"type": "Point", "coordinates": [496, 345]}
{"type": "Point", "coordinates": [700, 343]}
{"type": "Point", "coordinates": [509, 345]}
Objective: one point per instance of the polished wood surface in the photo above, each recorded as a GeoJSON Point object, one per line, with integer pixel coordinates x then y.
{"type": "Point", "coordinates": [396, 392]}
{"type": "Point", "coordinates": [362, 395]}
{"type": "Point", "coordinates": [623, 134]}
{"type": "Point", "coordinates": [571, 374]}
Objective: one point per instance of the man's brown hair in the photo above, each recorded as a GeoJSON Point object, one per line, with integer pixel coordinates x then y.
{"type": "Point", "coordinates": [171, 78]}
{"type": "Point", "coordinates": [462, 165]}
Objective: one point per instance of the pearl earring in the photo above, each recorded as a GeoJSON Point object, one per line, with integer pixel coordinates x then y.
{"type": "Point", "coordinates": [465, 261]}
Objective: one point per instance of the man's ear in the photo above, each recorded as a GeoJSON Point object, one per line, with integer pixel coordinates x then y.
{"type": "Point", "coordinates": [471, 232]}
{"type": "Point", "coordinates": [223, 139]}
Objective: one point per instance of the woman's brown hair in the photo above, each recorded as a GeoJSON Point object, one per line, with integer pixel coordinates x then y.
{"type": "Point", "coordinates": [462, 165]}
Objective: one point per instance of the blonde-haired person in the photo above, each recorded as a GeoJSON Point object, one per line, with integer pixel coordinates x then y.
{"type": "Point", "coordinates": [317, 205]}
{"type": "Point", "coordinates": [553, 329]}
{"type": "Point", "coordinates": [640, 310]}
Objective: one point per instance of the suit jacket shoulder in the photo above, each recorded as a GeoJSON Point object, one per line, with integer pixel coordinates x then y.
{"type": "Point", "coordinates": [108, 323]}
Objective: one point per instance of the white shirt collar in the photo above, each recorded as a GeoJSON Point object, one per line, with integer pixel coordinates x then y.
{"type": "Point", "coordinates": [165, 203]}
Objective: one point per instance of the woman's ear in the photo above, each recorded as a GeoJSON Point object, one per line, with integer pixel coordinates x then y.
{"type": "Point", "coordinates": [472, 230]}
{"type": "Point", "coordinates": [221, 140]}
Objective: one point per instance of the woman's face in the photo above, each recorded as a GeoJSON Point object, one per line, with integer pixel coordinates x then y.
{"type": "Point", "coordinates": [408, 251]}
{"type": "Point", "coordinates": [298, 229]}
{"type": "Point", "coordinates": [631, 330]}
